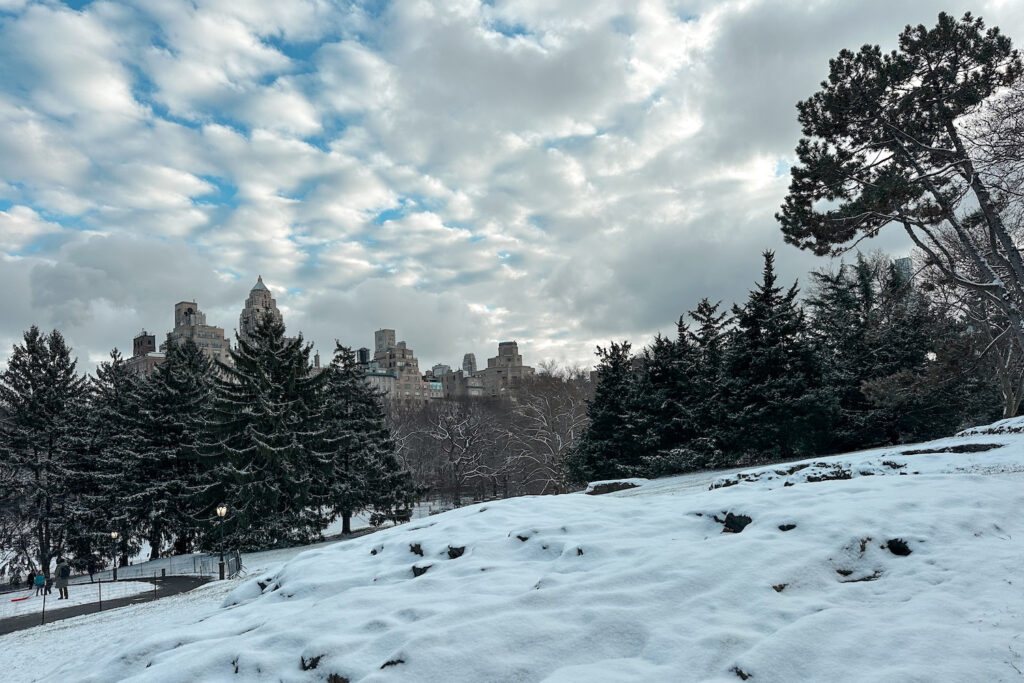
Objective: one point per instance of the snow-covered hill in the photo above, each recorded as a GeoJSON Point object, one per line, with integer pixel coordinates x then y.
{"type": "Point", "coordinates": [900, 564]}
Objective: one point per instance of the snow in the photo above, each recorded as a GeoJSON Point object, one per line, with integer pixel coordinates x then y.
{"type": "Point", "coordinates": [640, 584]}
{"type": "Point", "coordinates": [78, 594]}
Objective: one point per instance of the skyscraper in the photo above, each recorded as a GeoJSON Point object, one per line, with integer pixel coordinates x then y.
{"type": "Point", "coordinates": [505, 371]}
{"type": "Point", "coordinates": [905, 267]}
{"type": "Point", "coordinates": [190, 323]}
{"type": "Point", "coordinates": [259, 304]}
{"type": "Point", "coordinates": [469, 363]}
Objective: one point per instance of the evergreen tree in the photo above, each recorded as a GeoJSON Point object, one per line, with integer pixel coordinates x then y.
{"type": "Point", "coordinates": [358, 469]}
{"type": "Point", "coordinates": [111, 441]}
{"type": "Point", "coordinates": [168, 477]}
{"type": "Point", "coordinates": [900, 367]}
{"type": "Point", "coordinates": [41, 396]}
{"type": "Point", "coordinates": [609, 447]}
{"type": "Point", "coordinates": [925, 378]}
{"type": "Point", "coordinates": [663, 403]}
{"type": "Point", "coordinates": [266, 444]}
{"type": "Point", "coordinates": [777, 405]}
{"type": "Point", "coordinates": [843, 313]}
{"type": "Point", "coordinates": [888, 140]}
{"type": "Point", "coordinates": [708, 339]}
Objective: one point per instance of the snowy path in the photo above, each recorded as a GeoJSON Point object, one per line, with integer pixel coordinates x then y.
{"type": "Point", "coordinates": [78, 594]}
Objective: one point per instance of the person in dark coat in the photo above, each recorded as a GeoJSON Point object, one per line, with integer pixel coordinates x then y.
{"type": "Point", "coordinates": [63, 572]}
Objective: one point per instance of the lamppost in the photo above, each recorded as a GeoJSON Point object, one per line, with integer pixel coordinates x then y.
{"type": "Point", "coordinates": [113, 542]}
{"type": "Point", "coordinates": [221, 511]}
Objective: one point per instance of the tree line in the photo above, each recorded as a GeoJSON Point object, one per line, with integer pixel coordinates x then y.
{"type": "Point", "coordinates": [286, 448]}
{"type": "Point", "coordinates": [928, 137]}
{"type": "Point", "coordinates": [870, 358]}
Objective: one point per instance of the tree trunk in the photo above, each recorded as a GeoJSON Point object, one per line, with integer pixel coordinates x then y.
{"type": "Point", "coordinates": [346, 522]}
{"type": "Point", "coordinates": [181, 544]}
{"type": "Point", "coordinates": [154, 541]}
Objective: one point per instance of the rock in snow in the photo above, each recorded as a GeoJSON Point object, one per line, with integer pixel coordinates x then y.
{"type": "Point", "coordinates": [911, 573]}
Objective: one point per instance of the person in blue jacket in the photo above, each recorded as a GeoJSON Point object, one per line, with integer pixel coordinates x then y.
{"type": "Point", "coordinates": [40, 583]}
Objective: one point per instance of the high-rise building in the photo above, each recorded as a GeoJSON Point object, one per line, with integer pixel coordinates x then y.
{"type": "Point", "coordinates": [383, 340]}
{"type": "Point", "coordinates": [398, 359]}
{"type": "Point", "coordinates": [458, 384]}
{"type": "Point", "coordinates": [145, 357]}
{"type": "Point", "coordinates": [190, 323]}
{"type": "Point", "coordinates": [259, 304]}
{"type": "Point", "coordinates": [439, 370]}
{"type": "Point", "coordinates": [469, 363]}
{"type": "Point", "coordinates": [505, 371]}
{"type": "Point", "coordinates": [905, 267]}
{"type": "Point", "coordinates": [363, 355]}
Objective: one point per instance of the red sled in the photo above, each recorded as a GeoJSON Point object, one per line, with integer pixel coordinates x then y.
{"type": "Point", "coordinates": [20, 599]}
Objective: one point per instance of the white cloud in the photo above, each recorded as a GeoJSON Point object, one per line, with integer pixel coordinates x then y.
{"type": "Point", "coordinates": [562, 173]}
{"type": "Point", "coordinates": [20, 226]}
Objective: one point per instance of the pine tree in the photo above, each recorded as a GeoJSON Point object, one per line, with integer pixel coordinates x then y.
{"type": "Point", "coordinates": [843, 313]}
{"type": "Point", "coordinates": [41, 396]}
{"type": "Point", "coordinates": [609, 447]}
{"type": "Point", "coordinates": [708, 339]}
{"type": "Point", "coordinates": [664, 403]}
{"type": "Point", "coordinates": [265, 446]}
{"type": "Point", "coordinates": [111, 441]}
{"type": "Point", "coordinates": [168, 477]}
{"type": "Point", "coordinates": [777, 406]}
{"type": "Point", "coordinates": [359, 469]}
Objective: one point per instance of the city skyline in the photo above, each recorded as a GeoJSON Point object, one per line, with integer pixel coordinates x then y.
{"type": "Point", "coordinates": [188, 314]}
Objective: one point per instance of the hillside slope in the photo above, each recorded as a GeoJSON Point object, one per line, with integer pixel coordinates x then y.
{"type": "Point", "coordinates": [895, 564]}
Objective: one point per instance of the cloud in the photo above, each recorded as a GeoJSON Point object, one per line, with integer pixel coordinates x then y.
{"type": "Point", "coordinates": [21, 227]}
{"type": "Point", "coordinates": [465, 172]}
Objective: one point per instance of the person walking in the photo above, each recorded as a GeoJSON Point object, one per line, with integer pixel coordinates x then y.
{"type": "Point", "coordinates": [39, 582]}
{"type": "Point", "coordinates": [63, 572]}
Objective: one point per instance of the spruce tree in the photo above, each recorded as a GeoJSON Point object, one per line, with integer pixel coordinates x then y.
{"type": "Point", "coordinates": [41, 397]}
{"type": "Point", "coordinates": [111, 443]}
{"type": "Point", "coordinates": [708, 339]}
{"type": "Point", "coordinates": [777, 405]}
{"type": "Point", "coordinates": [663, 401]}
{"type": "Point", "coordinates": [265, 447]}
{"type": "Point", "coordinates": [609, 448]}
{"type": "Point", "coordinates": [169, 478]}
{"type": "Point", "coordinates": [358, 469]}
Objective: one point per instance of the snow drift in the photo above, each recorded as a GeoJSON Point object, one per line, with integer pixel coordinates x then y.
{"type": "Point", "coordinates": [895, 564]}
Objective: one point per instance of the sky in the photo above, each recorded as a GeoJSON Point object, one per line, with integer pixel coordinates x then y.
{"type": "Point", "coordinates": [557, 173]}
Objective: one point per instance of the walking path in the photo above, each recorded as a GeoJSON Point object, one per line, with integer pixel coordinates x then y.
{"type": "Point", "coordinates": [170, 585]}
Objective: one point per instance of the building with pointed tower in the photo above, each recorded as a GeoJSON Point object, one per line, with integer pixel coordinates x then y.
{"type": "Point", "coordinates": [260, 303]}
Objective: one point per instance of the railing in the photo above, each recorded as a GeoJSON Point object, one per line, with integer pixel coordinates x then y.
{"type": "Point", "coordinates": [180, 565]}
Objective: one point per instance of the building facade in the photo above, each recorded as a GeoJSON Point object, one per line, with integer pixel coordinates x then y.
{"type": "Point", "coordinates": [397, 359]}
{"type": "Point", "coordinates": [190, 323]}
{"type": "Point", "coordinates": [145, 357]}
{"type": "Point", "coordinates": [505, 372]}
{"type": "Point", "coordinates": [458, 384]}
{"type": "Point", "coordinates": [260, 304]}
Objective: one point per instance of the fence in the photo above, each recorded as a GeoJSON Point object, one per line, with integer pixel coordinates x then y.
{"type": "Point", "coordinates": [100, 586]}
{"type": "Point", "coordinates": [209, 565]}
{"type": "Point", "coordinates": [179, 565]}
